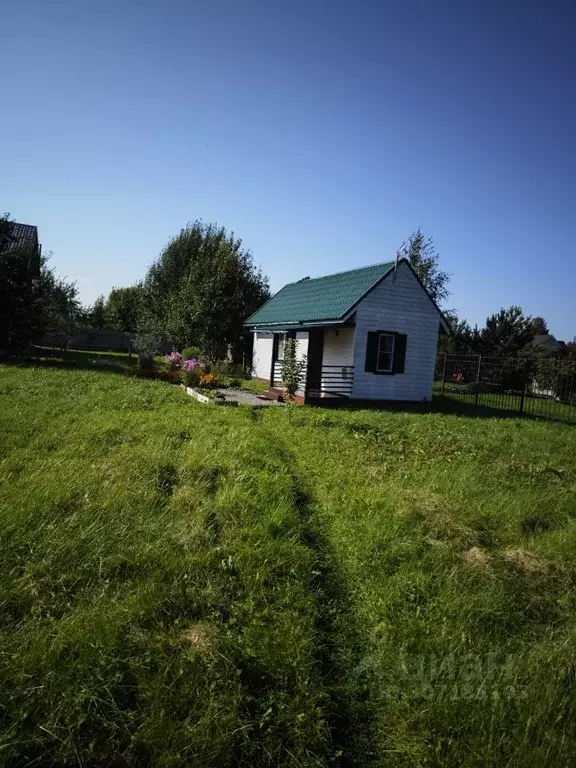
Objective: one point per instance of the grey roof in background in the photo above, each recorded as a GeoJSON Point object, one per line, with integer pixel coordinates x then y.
{"type": "Point", "coordinates": [22, 234]}
{"type": "Point", "coordinates": [546, 341]}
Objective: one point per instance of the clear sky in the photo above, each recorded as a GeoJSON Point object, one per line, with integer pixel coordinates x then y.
{"type": "Point", "coordinates": [322, 133]}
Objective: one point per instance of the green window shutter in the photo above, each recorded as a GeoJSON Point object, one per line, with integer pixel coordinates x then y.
{"type": "Point", "coordinates": [399, 353]}
{"type": "Point", "coordinates": [371, 351]}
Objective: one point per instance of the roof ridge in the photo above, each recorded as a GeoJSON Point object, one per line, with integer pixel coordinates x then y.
{"type": "Point", "coordinates": [343, 272]}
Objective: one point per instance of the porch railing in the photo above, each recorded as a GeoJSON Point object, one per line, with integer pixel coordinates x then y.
{"type": "Point", "coordinates": [278, 373]}
{"type": "Point", "coordinates": [335, 381]}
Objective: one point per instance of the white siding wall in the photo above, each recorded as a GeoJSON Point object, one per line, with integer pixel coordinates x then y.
{"type": "Point", "coordinates": [262, 355]}
{"type": "Point", "coordinates": [302, 339]}
{"type": "Point", "coordinates": [338, 351]}
{"type": "Point", "coordinates": [400, 306]}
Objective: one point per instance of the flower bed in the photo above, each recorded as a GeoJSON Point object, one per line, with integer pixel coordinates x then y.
{"type": "Point", "coordinates": [196, 377]}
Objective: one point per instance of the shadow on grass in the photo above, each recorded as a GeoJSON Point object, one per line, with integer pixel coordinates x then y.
{"type": "Point", "coordinates": [444, 404]}
{"type": "Point", "coordinates": [340, 644]}
{"type": "Point", "coordinates": [79, 360]}
{"type": "Point", "coordinates": [450, 405]}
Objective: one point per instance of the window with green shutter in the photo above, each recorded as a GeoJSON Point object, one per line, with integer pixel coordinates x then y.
{"type": "Point", "coordinates": [385, 352]}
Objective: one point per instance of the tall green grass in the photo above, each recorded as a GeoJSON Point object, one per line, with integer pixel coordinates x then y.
{"type": "Point", "coordinates": [457, 542]}
{"type": "Point", "coordinates": [154, 583]}
{"type": "Point", "coordinates": [186, 585]}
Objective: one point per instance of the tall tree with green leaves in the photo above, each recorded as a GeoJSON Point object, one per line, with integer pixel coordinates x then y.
{"type": "Point", "coordinates": [507, 332]}
{"type": "Point", "coordinates": [124, 307]}
{"type": "Point", "coordinates": [462, 337]}
{"type": "Point", "coordinates": [539, 326]}
{"type": "Point", "coordinates": [33, 299]}
{"type": "Point", "coordinates": [96, 314]}
{"type": "Point", "coordinates": [63, 313]}
{"type": "Point", "coordinates": [424, 260]}
{"type": "Point", "coordinates": [202, 288]}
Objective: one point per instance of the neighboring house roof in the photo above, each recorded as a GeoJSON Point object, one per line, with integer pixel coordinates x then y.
{"type": "Point", "coordinates": [329, 299]}
{"type": "Point", "coordinates": [22, 235]}
{"type": "Point", "coordinates": [546, 341]}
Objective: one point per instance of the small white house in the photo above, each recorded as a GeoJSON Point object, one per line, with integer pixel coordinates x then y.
{"type": "Point", "coordinates": [367, 334]}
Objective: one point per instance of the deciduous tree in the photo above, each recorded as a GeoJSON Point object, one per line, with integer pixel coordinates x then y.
{"type": "Point", "coordinates": [424, 260]}
{"type": "Point", "coordinates": [202, 288]}
{"type": "Point", "coordinates": [123, 308]}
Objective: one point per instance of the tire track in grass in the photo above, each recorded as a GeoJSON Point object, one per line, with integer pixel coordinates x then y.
{"type": "Point", "coordinates": [340, 648]}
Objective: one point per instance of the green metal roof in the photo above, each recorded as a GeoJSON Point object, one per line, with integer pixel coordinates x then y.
{"type": "Point", "coordinates": [320, 299]}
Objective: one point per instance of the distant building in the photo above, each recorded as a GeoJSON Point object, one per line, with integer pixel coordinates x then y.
{"type": "Point", "coordinates": [20, 236]}
{"type": "Point", "coordinates": [545, 342]}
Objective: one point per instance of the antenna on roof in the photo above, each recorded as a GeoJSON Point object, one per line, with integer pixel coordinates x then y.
{"type": "Point", "coordinates": [397, 260]}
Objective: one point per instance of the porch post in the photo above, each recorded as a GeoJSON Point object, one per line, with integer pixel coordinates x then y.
{"type": "Point", "coordinates": [274, 357]}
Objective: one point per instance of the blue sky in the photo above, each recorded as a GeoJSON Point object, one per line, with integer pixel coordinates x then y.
{"type": "Point", "coordinates": [322, 133]}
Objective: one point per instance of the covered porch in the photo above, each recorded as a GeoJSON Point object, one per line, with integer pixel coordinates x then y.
{"type": "Point", "coordinates": [329, 352]}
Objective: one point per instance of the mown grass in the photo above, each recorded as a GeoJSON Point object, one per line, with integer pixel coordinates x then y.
{"type": "Point", "coordinates": [255, 386]}
{"type": "Point", "coordinates": [183, 585]}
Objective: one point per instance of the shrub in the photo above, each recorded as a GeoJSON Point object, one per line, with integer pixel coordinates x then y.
{"type": "Point", "coordinates": [174, 360]}
{"type": "Point", "coordinates": [510, 375]}
{"type": "Point", "coordinates": [209, 380]}
{"type": "Point", "coordinates": [229, 368]}
{"type": "Point", "coordinates": [146, 366]}
{"type": "Point", "coordinates": [171, 375]}
{"type": "Point", "coordinates": [146, 343]}
{"type": "Point", "coordinates": [235, 384]}
{"type": "Point", "coordinates": [293, 369]}
{"type": "Point", "coordinates": [146, 369]}
{"type": "Point", "coordinates": [191, 376]}
{"type": "Point", "coordinates": [191, 372]}
{"type": "Point", "coordinates": [191, 353]}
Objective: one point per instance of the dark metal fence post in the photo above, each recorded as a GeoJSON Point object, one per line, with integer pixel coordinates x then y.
{"type": "Point", "coordinates": [444, 371]}
{"type": "Point", "coordinates": [478, 375]}
{"type": "Point", "coordinates": [525, 387]}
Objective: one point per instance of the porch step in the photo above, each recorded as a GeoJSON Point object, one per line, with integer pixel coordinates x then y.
{"type": "Point", "coordinates": [274, 393]}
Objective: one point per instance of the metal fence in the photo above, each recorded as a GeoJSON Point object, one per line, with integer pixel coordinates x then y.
{"type": "Point", "coordinates": [543, 388]}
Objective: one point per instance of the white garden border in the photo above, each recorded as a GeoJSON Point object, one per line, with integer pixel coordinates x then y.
{"type": "Point", "coordinates": [197, 395]}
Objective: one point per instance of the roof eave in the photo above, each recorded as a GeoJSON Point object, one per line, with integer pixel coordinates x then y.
{"type": "Point", "coordinates": [294, 325]}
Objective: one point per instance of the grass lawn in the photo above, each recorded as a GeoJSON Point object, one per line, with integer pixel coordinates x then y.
{"type": "Point", "coordinates": [257, 387]}
{"type": "Point", "coordinates": [185, 585]}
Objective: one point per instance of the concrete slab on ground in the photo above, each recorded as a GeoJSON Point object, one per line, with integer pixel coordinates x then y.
{"type": "Point", "coordinates": [246, 398]}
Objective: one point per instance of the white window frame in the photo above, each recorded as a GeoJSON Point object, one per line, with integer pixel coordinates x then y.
{"type": "Point", "coordinates": [391, 368]}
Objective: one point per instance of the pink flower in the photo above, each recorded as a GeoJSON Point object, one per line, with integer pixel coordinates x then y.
{"type": "Point", "coordinates": [190, 365]}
